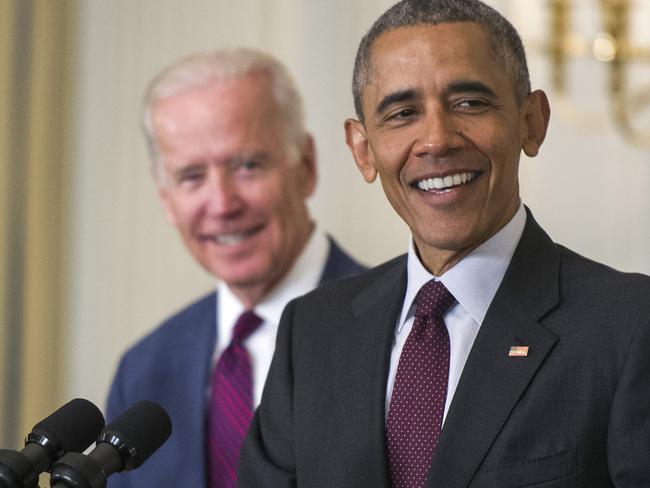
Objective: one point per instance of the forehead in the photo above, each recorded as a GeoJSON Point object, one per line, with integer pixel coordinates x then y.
{"type": "Point", "coordinates": [229, 102]}
{"type": "Point", "coordinates": [426, 54]}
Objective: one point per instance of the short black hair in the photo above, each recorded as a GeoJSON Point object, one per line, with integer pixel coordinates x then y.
{"type": "Point", "coordinates": [408, 13]}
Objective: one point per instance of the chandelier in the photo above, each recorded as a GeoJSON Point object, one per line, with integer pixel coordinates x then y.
{"type": "Point", "coordinates": [614, 50]}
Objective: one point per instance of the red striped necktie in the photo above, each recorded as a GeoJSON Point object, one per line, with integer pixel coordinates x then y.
{"type": "Point", "coordinates": [231, 405]}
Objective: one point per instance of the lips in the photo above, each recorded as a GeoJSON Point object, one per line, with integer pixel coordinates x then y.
{"type": "Point", "coordinates": [446, 182]}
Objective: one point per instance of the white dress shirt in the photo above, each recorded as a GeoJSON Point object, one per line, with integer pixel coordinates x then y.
{"type": "Point", "coordinates": [303, 277]}
{"type": "Point", "coordinates": [473, 282]}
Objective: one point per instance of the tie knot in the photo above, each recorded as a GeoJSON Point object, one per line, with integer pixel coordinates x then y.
{"type": "Point", "coordinates": [433, 300]}
{"type": "Point", "coordinates": [245, 326]}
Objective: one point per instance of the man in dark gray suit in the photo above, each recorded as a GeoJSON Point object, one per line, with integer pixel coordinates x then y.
{"type": "Point", "coordinates": [234, 166]}
{"type": "Point", "coordinates": [488, 356]}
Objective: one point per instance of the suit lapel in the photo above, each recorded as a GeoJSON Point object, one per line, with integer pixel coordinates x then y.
{"type": "Point", "coordinates": [492, 382]}
{"type": "Point", "coordinates": [376, 311]}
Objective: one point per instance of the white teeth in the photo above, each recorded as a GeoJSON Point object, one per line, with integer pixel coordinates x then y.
{"type": "Point", "coordinates": [446, 182]}
{"type": "Point", "coordinates": [230, 239]}
{"type": "Point", "coordinates": [236, 237]}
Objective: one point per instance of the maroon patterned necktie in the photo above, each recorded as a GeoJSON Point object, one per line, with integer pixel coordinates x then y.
{"type": "Point", "coordinates": [420, 390]}
{"type": "Point", "coordinates": [231, 405]}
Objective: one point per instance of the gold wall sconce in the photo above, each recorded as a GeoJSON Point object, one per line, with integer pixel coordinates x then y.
{"type": "Point", "coordinates": [613, 48]}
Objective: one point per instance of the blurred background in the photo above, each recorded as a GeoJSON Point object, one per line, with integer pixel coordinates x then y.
{"type": "Point", "coordinates": [87, 262]}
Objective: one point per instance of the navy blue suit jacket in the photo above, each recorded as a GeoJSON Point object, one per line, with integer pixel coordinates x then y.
{"type": "Point", "coordinates": [171, 366]}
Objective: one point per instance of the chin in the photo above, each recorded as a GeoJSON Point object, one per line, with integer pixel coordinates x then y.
{"type": "Point", "coordinates": [450, 241]}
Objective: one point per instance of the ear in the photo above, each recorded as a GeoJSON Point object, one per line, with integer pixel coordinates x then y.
{"type": "Point", "coordinates": [167, 204]}
{"type": "Point", "coordinates": [537, 113]}
{"type": "Point", "coordinates": [357, 141]}
{"type": "Point", "coordinates": [308, 163]}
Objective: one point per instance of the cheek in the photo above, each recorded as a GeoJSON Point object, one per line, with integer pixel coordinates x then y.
{"type": "Point", "coordinates": [268, 201]}
{"type": "Point", "coordinates": [288, 213]}
{"type": "Point", "coordinates": [503, 154]}
{"type": "Point", "coordinates": [389, 158]}
{"type": "Point", "coordinates": [190, 211]}
{"type": "Point", "coordinates": [504, 182]}
{"type": "Point", "coordinates": [178, 211]}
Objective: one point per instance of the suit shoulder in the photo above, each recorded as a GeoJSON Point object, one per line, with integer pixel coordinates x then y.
{"type": "Point", "coordinates": [350, 285]}
{"type": "Point", "coordinates": [588, 277]}
{"type": "Point", "coordinates": [185, 322]}
{"type": "Point", "coordinates": [183, 343]}
{"type": "Point", "coordinates": [339, 263]}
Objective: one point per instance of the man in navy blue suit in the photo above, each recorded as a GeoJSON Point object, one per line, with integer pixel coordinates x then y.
{"type": "Point", "coordinates": [234, 166]}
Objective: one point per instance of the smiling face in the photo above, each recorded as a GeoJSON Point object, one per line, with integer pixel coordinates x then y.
{"type": "Point", "coordinates": [232, 185]}
{"type": "Point", "coordinates": [443, 131]}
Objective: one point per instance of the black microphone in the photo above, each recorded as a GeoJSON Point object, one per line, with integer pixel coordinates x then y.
{"type": "Point", "coordinates": [73, 427]}
{"type": "Point", "coordinates": [123, 445]}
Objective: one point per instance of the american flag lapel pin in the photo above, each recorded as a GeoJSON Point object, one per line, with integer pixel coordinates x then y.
{"type": "Point", "coordinates": [518, 351]}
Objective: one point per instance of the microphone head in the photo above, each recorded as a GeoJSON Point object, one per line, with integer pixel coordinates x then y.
{"type": "Point", "coordinates": [73, 427]}
{"type": "Point", "coordinates": [138, 432]}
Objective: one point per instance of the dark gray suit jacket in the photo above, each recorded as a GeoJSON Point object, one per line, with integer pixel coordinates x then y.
{"type": "Point", "coordinates": [574, 413]}
{"type": "Point", "coordinates": [172, 366]}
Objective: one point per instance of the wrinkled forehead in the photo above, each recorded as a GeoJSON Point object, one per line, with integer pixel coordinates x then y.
{"type": "Point", "coordinates": [216, 106]}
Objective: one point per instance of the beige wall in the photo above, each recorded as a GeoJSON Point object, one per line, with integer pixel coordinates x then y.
{"type": "Point", "coordinates": [129, 268]}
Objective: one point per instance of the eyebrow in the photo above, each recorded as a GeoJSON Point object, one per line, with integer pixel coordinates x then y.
{"type": "Point", "coordinates": [397, 97]}
{"type": "Point", "coordinates": [411, 94]}
{"type": "Point", "coordinates": [188, 169]}
{"type": "Point", "coordinates": [470, 86]}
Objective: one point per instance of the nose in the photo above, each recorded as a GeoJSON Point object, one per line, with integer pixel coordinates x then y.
{"type": "Point", "coordinates": [439, 134]}
{"type": "Point", "coordinates": [222, 197]}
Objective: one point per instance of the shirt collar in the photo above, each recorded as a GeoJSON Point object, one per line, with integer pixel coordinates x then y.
{"type": "Point", "coordinates": [303, 276]}
{"type": "Point", "coordinates": [476, 278]}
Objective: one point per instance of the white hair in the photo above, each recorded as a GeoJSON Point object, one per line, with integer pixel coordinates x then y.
{"type": "Point", "coordinates": [199, 70]}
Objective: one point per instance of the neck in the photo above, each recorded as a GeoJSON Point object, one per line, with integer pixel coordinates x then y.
{"type": "Point", "coordinates": [439, 262]}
